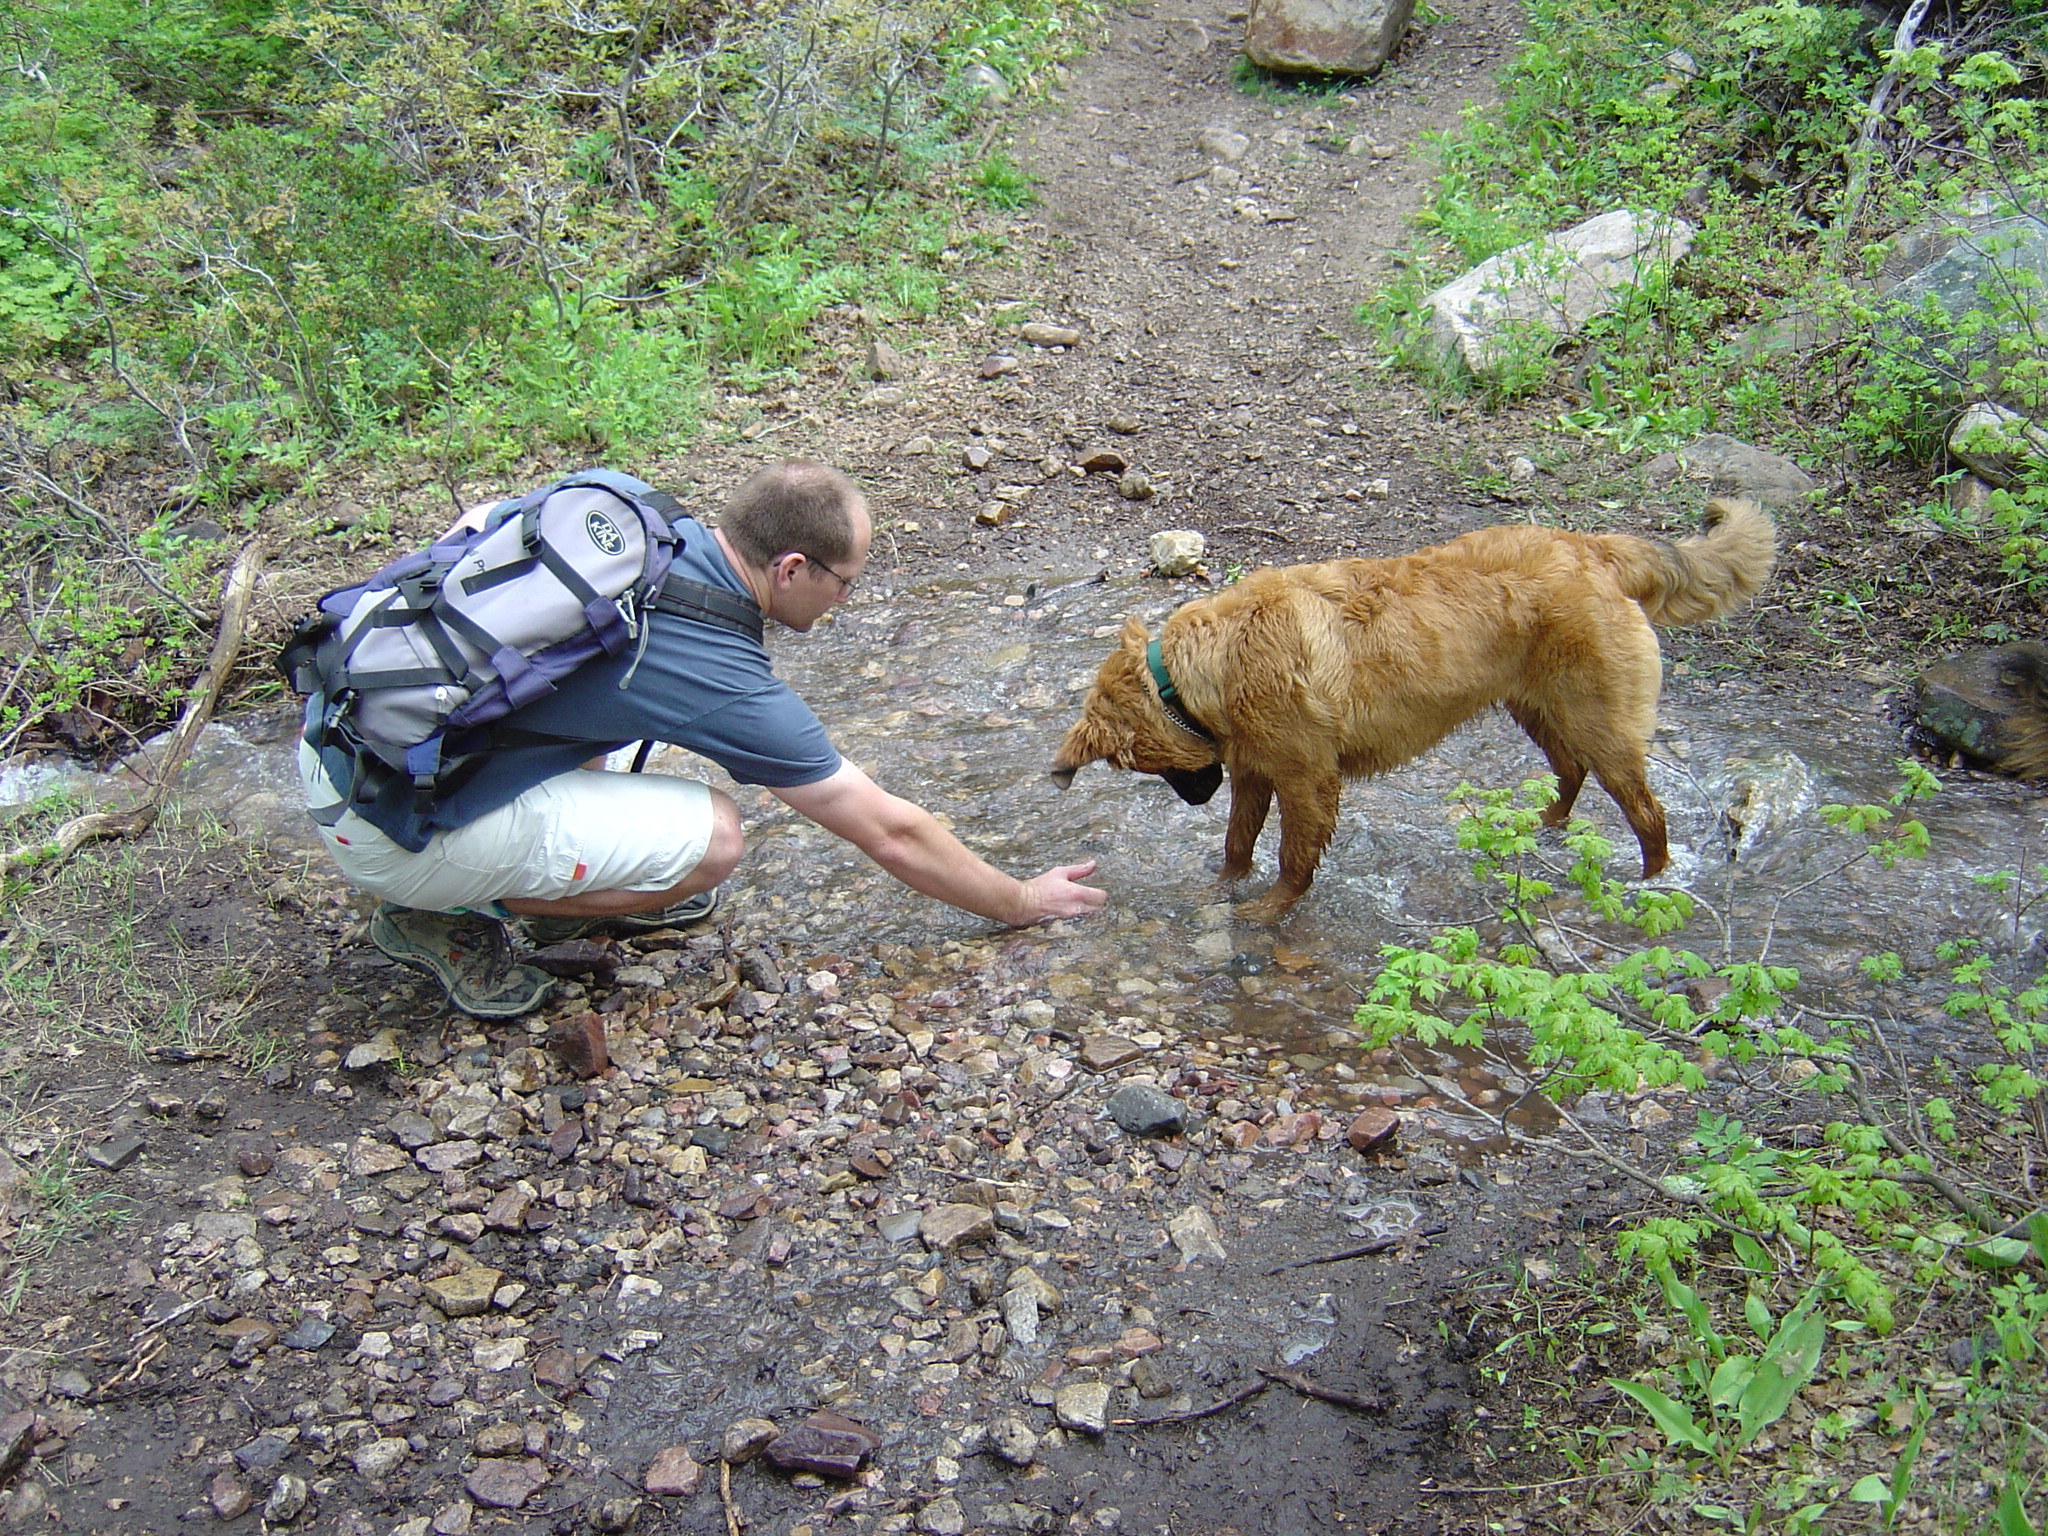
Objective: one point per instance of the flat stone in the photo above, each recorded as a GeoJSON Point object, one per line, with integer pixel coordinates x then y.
{"type": "Point", "coordinates": [447, 1156]}
{"type": "Point", "coordinates": [1041, 334]}
{"type": "Point", "coordinates": [1083, 1405]}
{"type": "Point", "coordinates": [885, 362]}
{"type": "Point", "coordinates": [1103, 461]}
{"type": "Point", "coordinates": [1142, 1109]}
{"type": "Point", "coordinates": [1221, 144]}
{"type": "Point", "coordinates": [1325, 37]}
{"type": "Point", "coordinates": [498, 1354]}
{"type": "Point", "coordinates": [116, 1154]}
{"type": "Point", "coordinates": [674, 1473]}
{"type": "Point", "coordinates": [466, 1293]}
{"type": "Point", "coordinates": [367, 1159]}
{"type": "Point", "coordinates": [412, 1130]}
{"type": "Point", "coordinates": [1728, 464]}
{"type": "Point", "coordinates": [455, 1518]}
{"type": "Point", "coordinates": [1105, 1053]}
{"type": "Point", "coordinates": [942, 1517]}
{"type": "Point", "coordinates": [385, 1045]}
{"type": "Point", "coordinates": [826, 1443]}
{"type": "Point", "coordinates": [946, 1227]}
{"type": "Point", "coordinates": [503, 1482]}
{"type": "Point", "coordinates": [262, 1453]}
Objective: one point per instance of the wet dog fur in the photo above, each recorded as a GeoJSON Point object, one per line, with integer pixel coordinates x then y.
{"type": "Point", "coordinates": [1299, 677]}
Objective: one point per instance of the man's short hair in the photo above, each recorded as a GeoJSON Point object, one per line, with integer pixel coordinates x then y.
{"type": "Point", "coordinates": [796, 505]}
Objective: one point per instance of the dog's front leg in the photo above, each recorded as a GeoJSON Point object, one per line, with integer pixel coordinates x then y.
{"type": "Point", "coordinates": [1251, 797]}
{"type": "Point", "coordinates": [1308, 819]}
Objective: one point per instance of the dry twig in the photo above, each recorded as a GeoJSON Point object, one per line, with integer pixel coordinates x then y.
{"type": "Point", "coordinates": [227, 644]}
{"type": "Point", "coordinates": [1244, 1395]}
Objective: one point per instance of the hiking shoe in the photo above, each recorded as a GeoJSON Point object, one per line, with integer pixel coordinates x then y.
{"type": "Point", "coordinates": [559, 930]}
{"type": "Point", "coordinates": [469, 954]}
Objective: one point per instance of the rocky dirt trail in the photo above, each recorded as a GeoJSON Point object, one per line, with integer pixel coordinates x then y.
{"type": "Point", "coordinates": [773, 1226]}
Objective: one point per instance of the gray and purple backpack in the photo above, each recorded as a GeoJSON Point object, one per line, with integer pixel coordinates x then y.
{"type": "Point", "coordinates": [406, 671]}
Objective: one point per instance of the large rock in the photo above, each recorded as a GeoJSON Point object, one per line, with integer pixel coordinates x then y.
{"type": "Point", "coordinates": [1996, 442]}
{"type": "Point", "coordinates": [1533, 293]}
{"type": "Point", "coordinates": [1325, 37]}
{"type": "Point", "coordinates": [1729, 464]}
{"type": "Point", "coordinates": [1991, 706]}
{"type": "Point", "coordinates": [1951, 314]}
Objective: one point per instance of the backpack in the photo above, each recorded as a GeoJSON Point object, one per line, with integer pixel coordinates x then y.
{"type": "Point", "coordinates": [406, 673]}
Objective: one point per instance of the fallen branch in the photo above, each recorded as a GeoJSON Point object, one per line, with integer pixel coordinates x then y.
{"type": "Point", "coordinates": [1192, 1414]}
{"type": "Point", "coordinates": [1377, 1245]}
{"type": "Point", "coordinates": [1307, 1388]}
{"type": "Point", "coordinates": [227, 644]}
{"type": "Point", "coordinates": [733, 1521]}
{"type": "Point", "coordinates": [1866, 138]}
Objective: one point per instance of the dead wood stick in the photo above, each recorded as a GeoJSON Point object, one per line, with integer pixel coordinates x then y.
{"type": "Point", "coordinates": [1308, 1388]}
{"type": "Point", "coordinates": [1271, 533]}
{"type": "Point", "coordinates": [1192, 1414]}
{"type": "Point", "coordinates": [733, 1523]}
{"type": "Point", "coordinates": [1377, 1245]}
{"type": "Point", "coordinates": [227, 645]}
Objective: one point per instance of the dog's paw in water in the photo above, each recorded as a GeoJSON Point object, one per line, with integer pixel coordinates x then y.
{"type": "Point", "coordinates": [1264, 910]}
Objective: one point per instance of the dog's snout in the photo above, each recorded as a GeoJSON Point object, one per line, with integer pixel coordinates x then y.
{"type": "Point", "coordinates": [1064, 777]}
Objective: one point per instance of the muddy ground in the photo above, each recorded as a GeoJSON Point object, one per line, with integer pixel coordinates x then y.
{"type": "Point", "coordinates": [730, 1222]}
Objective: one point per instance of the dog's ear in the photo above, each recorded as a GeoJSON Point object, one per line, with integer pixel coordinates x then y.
{"type": "Point", "coordinates": [1133, 637]}
{"type": "Point", "coordinates": [1199, 787]}
{"type": "Point", "coordinates": [1089, 741]}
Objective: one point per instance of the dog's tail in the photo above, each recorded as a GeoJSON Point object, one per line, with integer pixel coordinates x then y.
{"type": "Point", "coordinates": [1693, 580]}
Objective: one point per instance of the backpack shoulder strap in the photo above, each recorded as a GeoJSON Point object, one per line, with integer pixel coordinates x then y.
{"type": "Point", "coordinates": [614, 480]}
{"type": "Point", "coordinates": [688, 599]}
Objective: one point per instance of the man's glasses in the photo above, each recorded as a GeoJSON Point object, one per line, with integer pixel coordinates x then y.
{"type": "Point", "coordinates": [844, 584]}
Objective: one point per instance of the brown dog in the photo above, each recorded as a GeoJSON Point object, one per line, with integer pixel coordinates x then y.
{"type": "Point", "coordinates": [1301, 676]}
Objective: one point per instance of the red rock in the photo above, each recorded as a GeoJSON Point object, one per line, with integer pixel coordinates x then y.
{"type": "Point", "coordinates": [501, 1482]}
{"type": "Point", "coordinates": [579, 1042]}
{"type": "Point", "coordinates": [1293, 1130]}
{"type": "Point", "coordinates": [228, 1497]}
{"type": "Point", "coordinates": [1374, 1130]}
{"type": "Point", "coordinates": [674, 1473]}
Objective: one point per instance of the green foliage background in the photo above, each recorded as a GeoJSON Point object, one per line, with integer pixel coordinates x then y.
{"type": "Point", "coordinates": [242, 243]}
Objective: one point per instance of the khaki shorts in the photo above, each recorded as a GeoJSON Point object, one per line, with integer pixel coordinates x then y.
{"type": "Point", "coordinates": [577, 832]}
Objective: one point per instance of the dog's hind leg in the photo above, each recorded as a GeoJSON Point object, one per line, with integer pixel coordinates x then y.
{"type": "Point", "coordinates": [1571, 773]}
{"type": "Point", "coordinates": [1251, 797]}
{"type": "Point", "coordinates": [1308, 820]}
{"type": "Point", "coordinates": [1625, 780]}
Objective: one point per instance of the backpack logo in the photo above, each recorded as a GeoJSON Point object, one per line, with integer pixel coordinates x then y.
{"type": "Point", "coordinates": [604, 533]}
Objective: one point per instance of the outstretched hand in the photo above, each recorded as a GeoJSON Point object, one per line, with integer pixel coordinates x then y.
{"type": "Point", "coordinates": [1059, 893]}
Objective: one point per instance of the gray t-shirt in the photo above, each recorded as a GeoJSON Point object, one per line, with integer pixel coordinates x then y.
{"type": "Point", "coordinates": [695, 686]}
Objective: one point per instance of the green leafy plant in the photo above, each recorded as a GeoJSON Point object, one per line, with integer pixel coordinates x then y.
{"type": "Point", "coordinates": [1732, 1395]}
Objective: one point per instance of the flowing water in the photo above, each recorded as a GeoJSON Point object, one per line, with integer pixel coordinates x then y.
{"type": "Point", "coordinates": [956, 695]}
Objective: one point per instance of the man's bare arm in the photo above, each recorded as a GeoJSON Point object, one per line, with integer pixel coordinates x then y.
{"type": "Point", "coordinates": [908, 841]}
